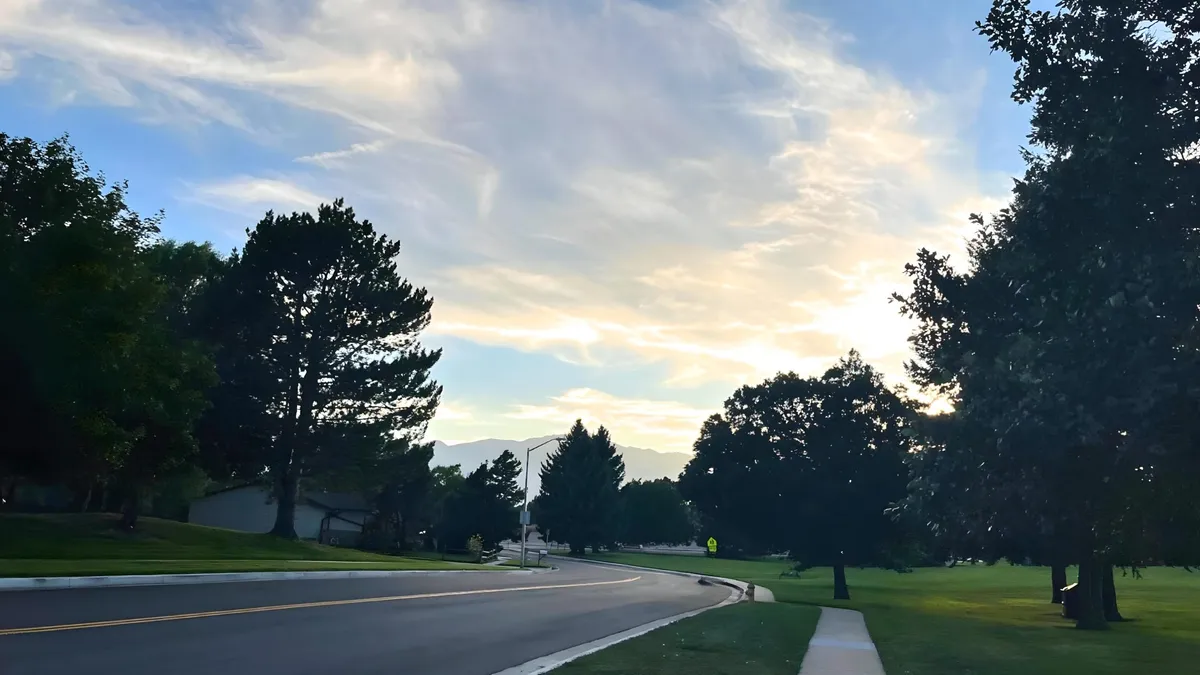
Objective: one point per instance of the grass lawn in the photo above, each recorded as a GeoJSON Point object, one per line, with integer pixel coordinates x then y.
{"type": "Point", "coordinates": [742, 639]}
{"type": "Point", "coordinates": [980, 620]}
{"type": "Point", "coordinates": [85, 544]}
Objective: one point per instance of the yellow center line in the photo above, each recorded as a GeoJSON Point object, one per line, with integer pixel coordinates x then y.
{"type": "Point", "coordinates": [299, 605]}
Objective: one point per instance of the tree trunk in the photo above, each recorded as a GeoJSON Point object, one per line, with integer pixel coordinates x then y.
{"type": "Point", "coordinates": [1109, 595]}
{"type": "Point", "coordinates": [87, 498]}
{"type": "Point", "coordinates": [1058, 581]}
{"type": "Point", "coordinates": [8, 494]}
{"type": "Point", "coordinates": [286, 489]}
{"type": "Point", "coordinates": [129, 510]}
{"type": "Point", "coordinates": [840, 590]}
{"type": "Point", "coordinates": [1091, 601]}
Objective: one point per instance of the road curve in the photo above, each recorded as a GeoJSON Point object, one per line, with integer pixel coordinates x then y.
{"type": "Point", "coordinates": [474, 624]}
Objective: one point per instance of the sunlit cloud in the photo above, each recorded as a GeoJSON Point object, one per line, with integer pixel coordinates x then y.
{"type": "Point", "coordinates": [715, 188]}
{"type": "Point", "coordinates": [668, 426]}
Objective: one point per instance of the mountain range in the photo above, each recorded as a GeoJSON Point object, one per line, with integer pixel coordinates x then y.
{"type": "Point", "coordinates": [640, 463]}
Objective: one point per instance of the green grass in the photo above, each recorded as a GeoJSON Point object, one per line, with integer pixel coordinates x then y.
{"type": "Point", "coordinates": [36, 567]}
{"type": "Point", "coordinates": [742, 639]}
{"type": "Point", "coordinates": [87, 544]}
{"type": "Point", "coordinates": [979, 620]}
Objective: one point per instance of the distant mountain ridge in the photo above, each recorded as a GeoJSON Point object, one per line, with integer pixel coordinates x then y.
{"type": "Point", "coordinates": [640, 463]}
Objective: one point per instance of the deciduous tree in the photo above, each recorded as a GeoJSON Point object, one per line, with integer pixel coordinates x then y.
{"type": "Point", "coordinates": [653, 512]}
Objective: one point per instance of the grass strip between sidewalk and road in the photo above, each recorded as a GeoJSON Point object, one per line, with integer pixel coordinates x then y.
{"type": "Point", "coordinates": [742, 639]}
{"type": "Point", "coordinates": [985, 620]}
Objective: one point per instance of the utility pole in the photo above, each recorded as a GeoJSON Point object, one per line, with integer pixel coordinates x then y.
{"type": "Point", "coordinates": [525, 507]}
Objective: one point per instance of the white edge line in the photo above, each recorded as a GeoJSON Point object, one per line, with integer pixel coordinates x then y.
{"type": "Point", "coordinates": [551, 661]}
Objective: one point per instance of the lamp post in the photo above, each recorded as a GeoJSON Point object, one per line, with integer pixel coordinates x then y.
{"type": "Point", "coordinates": [525, 507]}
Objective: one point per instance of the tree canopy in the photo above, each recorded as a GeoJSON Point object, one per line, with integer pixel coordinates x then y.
{"type": "Point", "coordinates": [326, 334]}
{"type": "Point", "coordinates": [581, 479]}
{"type": "Point", "coordinates": [1068, 346]}
{"type": "Point", "coordinates": [808, 466]}
{"type": "Point", "coordinates": [653, 512]}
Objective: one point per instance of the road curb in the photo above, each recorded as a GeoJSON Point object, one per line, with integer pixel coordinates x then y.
{"type": "Point", "coordinates": [126, 580]}
{"type": "Point", "coordinates": [741, 586]}
{"type": "Point", "coordinates": [551, 661]}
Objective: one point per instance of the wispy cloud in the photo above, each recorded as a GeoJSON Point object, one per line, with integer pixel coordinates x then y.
{"type": "Point", "coordinates": [257, 194]}
{"type": "Point", "coordinates": [715, 186]}
{"type": "Point", "coordinates": [8, 66]}
{"type": "Point", "coordinates": [335, 157]}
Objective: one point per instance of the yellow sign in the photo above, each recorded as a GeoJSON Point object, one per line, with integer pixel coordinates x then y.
{"type": "Point", "coordinates": [712, 545]}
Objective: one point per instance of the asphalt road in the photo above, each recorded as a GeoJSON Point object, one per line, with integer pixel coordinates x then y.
{"type": "Point", "coordinates": [471, 624]}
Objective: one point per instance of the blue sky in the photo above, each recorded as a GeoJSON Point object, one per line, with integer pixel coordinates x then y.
{"type": "Point", "coordinates": [624, 210]}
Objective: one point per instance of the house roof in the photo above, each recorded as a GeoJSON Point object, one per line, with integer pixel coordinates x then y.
{"type": "Point", "coordinates": [329, 501]}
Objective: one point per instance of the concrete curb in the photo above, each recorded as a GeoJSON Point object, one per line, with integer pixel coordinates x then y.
{"type": "Point", "coordinates": [560, 658]}
{"type": "Point", "coordinates": [761, 593]}
{"type": "Point", "coordinates": [741, 586]}
{"type": "Point", "coordinates": [125, 580]}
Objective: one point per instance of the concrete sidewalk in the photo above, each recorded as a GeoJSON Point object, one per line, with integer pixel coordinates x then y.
{"type": "Point", "coordinates": [841, 645]}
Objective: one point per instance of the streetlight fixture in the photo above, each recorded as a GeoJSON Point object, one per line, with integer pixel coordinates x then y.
{"type": "Point", "coordinates": [525, 508]}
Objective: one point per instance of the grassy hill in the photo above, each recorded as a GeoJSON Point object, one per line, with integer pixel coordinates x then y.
{"type": "Point", "coordinates": [53, 545]}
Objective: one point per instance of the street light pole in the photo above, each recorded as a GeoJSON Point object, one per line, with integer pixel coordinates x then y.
{"type": "Point", "coordinates": [525, 507]}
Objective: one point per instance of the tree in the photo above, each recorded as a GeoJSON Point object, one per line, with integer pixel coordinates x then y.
{"type": "Point", "coordinates": [579, 499]}
{"type": "Point", "coordinates": [74, 296]}
{"type": "Point", "coordinates": [653, 512]}
{"type": "Point", "coordinates": [326, 337]}
{"type": "Point", "coordinates": [1072, 336]}
{"type": "Point", "coordinates": [403, 497]}
{"type": "Point", "coordinates": [809, 466]}
{"type": "Point", "coordinates": [486, 504]}
{"type": "Point", "coordinates": [173, 372]}
{"type": "Point", "coordinates": [731, 482]}
{"type": "Point", "coordinates": [852, 468]}
{"type": "Point", "coordinates": [105, 378]}
{"type": "Point", "coordinates": [445, 482]}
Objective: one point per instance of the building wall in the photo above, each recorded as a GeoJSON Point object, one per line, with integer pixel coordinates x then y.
{"type": "Point", "coordinates": [251, 509]}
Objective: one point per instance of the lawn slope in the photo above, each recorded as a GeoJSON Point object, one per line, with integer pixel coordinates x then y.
{"type": "Point", "coordinates": [87, 544]}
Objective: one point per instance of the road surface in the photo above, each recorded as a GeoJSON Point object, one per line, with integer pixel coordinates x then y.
{"type": "Point", "coordinates": [470, 624]}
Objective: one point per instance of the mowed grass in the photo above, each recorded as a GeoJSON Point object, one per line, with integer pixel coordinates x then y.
{"type": "Point", "coordinates": [979, 620]}
{"type": "Point", "coordinates": [91, 544]}
{"type": "Point", "coordinates": [742, 639]}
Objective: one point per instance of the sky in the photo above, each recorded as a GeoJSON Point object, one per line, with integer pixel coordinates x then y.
{"type": "Point", "coordinates": [623, 210]}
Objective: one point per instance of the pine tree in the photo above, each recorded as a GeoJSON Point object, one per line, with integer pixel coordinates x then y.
{"type": "Point", "coordinates": [579, 501]}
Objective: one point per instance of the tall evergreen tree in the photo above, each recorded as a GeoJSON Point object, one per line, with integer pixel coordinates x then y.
{"type": "Point", "coordinates": [327, 336]}
{"type": "Point", "coordinates": [579, 501]}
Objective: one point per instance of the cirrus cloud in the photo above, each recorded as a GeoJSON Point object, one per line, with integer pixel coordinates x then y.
{"type": "Point", "coordinates": [716, 187]}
